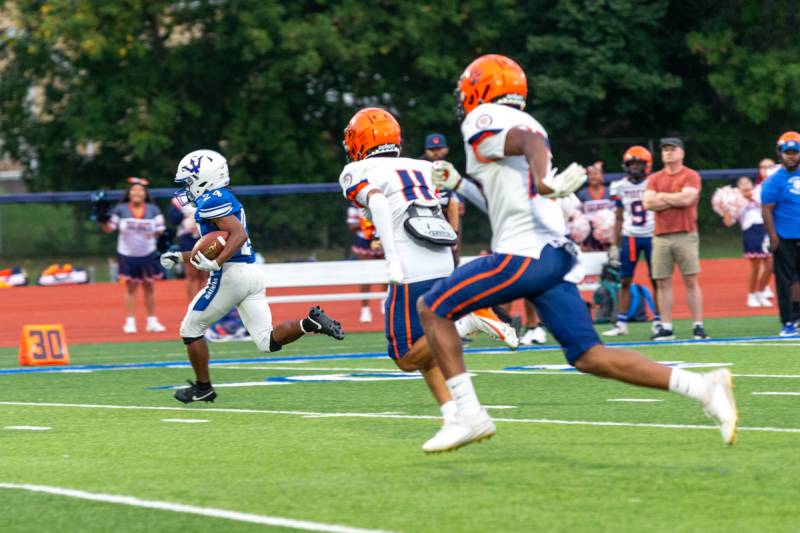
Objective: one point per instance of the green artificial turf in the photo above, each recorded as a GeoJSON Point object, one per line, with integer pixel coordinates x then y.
{"type": "Point", "coordinates": [268, 450]}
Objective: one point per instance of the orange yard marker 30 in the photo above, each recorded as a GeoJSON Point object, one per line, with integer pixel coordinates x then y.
{"type": "Point", "coordinates": [43, 344]}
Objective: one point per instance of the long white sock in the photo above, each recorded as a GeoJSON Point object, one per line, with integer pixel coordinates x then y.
{"type": "Point", "coordinates": [667, 325]}
{"type": "Point", "coordinates": [465, 325]}
{"type": "Point", "coordinates": [464, 394]}
{"type": "Point", "coordinates": [449, 411]}
{"type": "Point", "coordinates": [689, 384]}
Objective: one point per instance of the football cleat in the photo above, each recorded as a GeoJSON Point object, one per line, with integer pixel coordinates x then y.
{"type": "Point", "coordinates": [699, 333]}
{"type": "Point", "coordinates": [366, 315]}
{"type": "Point", "coordinates": [193, 393]}
{"type": "Point", "coordinates": [464, 430]}
{"type": "Point", "coordinates": [488, 322]}
{"type": "Point", "coordinates": [788, 330]}
{"type": "Point", "coordinates": [325, 324]}
{"type": "Point", "coordinates": [535, 335]}
{"type": "Point", "coordinates": [662, 334]}
{"type": "Point", "coordinates": [129, 327]}
{"type": "Point", "coordinates": [721, 404]}
{"type": "Point", "coordinates": [620, 330]}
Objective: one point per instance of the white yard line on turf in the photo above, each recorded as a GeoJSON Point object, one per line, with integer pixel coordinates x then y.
{"type": "Point", "coordinates": [185, 420]}
{"type": "Point", "coordinates": [314, 414]}
{"type": "Point", "coordinates": [777, 393]}
{"type": "Point", "coordinates": [29, 428]}
{"type": "Point", "coordinates": [131, 501]}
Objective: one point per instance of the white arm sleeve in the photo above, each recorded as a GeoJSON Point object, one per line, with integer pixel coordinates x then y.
{"type": "Point", "coordinates": [382, 218]}
{"type": "Point", "coordinates": [469, 190]}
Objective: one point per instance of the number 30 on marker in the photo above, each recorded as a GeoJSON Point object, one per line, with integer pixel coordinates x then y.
{"type": "Point", "coordinates": [43, 344]}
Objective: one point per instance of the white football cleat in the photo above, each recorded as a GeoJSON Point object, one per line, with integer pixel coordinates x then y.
{"type": "Point", "coordinates": [129, 327]}
{"type": "Point", "coordinates": [496, 329]}
{"type": "Point", "coordinates": [154, 326]}
{"type": "Point", "coordinates": [721, 404]}
{"type": "Point", "coordinates": [620, 330]}
{"type": "Point", "coordinates": [463, 431]}
{"type": "Point", "coordinates": [535, 335]}
{"type": "Point", "coordinates": [366, 315]}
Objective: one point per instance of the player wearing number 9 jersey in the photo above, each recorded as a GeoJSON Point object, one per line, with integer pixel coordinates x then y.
{"type": "Point", "coordinates": [235, 278]}
{"type": "Point", "coordinates": [633, 232]}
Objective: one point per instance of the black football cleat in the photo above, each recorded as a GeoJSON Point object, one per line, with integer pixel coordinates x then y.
{"type": "Point", "coordinates": [325, 324]}
{"type": "Point", "coordinates": [193, 393]}
{"type": "Point", "coordinates": [699, 333]}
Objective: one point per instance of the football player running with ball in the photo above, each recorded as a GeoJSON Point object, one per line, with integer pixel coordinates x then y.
{"type": "Point", "coordinates": [416, 241]}
{"type": "Point", "coordinates": [235, 278]}
{"type": "Point", "coordinates": [508, 154]}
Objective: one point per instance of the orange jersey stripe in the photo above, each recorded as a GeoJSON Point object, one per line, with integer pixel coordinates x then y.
{"type": "Point", "coordinates": [470, 281]}
{"type": "Point", "coordinates": [494, 289]}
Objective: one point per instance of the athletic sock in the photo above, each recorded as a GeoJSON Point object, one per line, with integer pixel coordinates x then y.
{"type": "Point", "coordinates": [667, 325]}
{"type": "Point", "coordinates": [465, 325]}
{"type": "Point", "coordinates": [464, 394]}
{"type": "Point", "coordinates": [449, 411]}
{"type": "Point", "coordinates": [152, 319]}
{"type": "Point", "coordinates": [203, 385]}
{"type": "Point", "coordinates": [689, 384]}
{"type": "Point", "coordinates": [696, 324]}
{"type": "Point", "coordinates": [656, 318]}
{"type": "Point", "coordinates": [622, 318]}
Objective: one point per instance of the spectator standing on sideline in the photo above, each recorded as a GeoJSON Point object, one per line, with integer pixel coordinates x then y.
{"type": "Point", "coordinates": [766, 167]}
{"type": "Point", "coordinates": [139, 222]}
{"type": "Point", "coordinates": [453, 207]}
{"type": "Point", "coordinates": [673, 193]}
{"type": "Point", "coordinates": [753, 235]}
{"type": "Point", "coordinates": [780, 198]}
{"type": "Point", "coordinates": [365, 246]}
{"type": "Point", "coordinates": [182, 217]}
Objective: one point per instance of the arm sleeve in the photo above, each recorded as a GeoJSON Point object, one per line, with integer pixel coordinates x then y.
{"type": "Point", "coordinates": [382, 218]}
{"type": "Point", "coordinates": [470, 190]}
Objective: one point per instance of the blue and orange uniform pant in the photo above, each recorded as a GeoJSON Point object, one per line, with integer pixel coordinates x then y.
{"type": "Point", "coordinates": [629, 252]}
{"type": "Point", "coordinates": [500, 278]}
{"type": "Point", "coordinates": [401, 320]}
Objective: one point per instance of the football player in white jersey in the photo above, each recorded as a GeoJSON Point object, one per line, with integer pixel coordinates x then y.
{"type": "Point", "coordinates": [235, 278]}
{"type": "Point", "coordinates": [633, 231]}
{"type": "Point", "coordinates": [508, 155]}
{"type": "Point", "coordinates": [416, 240]}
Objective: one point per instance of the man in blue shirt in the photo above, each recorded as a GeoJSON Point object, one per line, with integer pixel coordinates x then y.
{"type": "Point", "coordinates": [780, 200]}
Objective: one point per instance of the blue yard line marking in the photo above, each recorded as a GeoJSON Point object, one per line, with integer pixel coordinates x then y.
{"type": "Point", "coordinates": [367, 355]}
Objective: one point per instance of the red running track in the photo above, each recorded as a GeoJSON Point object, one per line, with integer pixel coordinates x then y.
{"type": "Point", "coordinates": [95, 313]}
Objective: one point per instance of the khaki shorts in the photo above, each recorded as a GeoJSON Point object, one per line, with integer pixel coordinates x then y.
{"type": "Point", "coordinates": [672, 248]}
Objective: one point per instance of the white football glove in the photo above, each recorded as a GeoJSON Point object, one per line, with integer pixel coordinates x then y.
{"type": "Point", "coordinates": [613, 256]}
{"type": "Point", "coordinates": [445, 176]}
{"type": "Point", "coordinates": [565, 183]}
{"type": "Point", "coordinates": [170, 259]}
{"type": "Point", "coordinates": [201, 262]}
{"type": "Point", "coordinates": [569, 205]}
{"type": "Point", "coordinates": [395, 271]}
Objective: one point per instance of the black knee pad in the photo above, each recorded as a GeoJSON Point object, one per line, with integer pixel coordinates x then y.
{"type": "Point", "coordinates": [274, 346]}
{"type": "Point", "coordinates": [189, 340]}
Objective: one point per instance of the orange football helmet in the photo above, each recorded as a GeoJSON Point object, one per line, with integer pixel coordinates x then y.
{"type": "Point", "coordinates": [638, 153]}
{"type": "Point", "coordinates": [371, 131]}
{"type": "Point", "coordinates": [491, 78]}
{"type": "Point", "coordinates": [789, 141]}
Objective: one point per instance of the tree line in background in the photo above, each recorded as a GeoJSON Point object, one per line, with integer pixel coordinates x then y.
{"type": "Point", "coordinates": [91, 92]}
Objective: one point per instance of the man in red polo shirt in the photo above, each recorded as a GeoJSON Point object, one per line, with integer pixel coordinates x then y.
{"type": "Point", "coordinates": [673, 193]}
